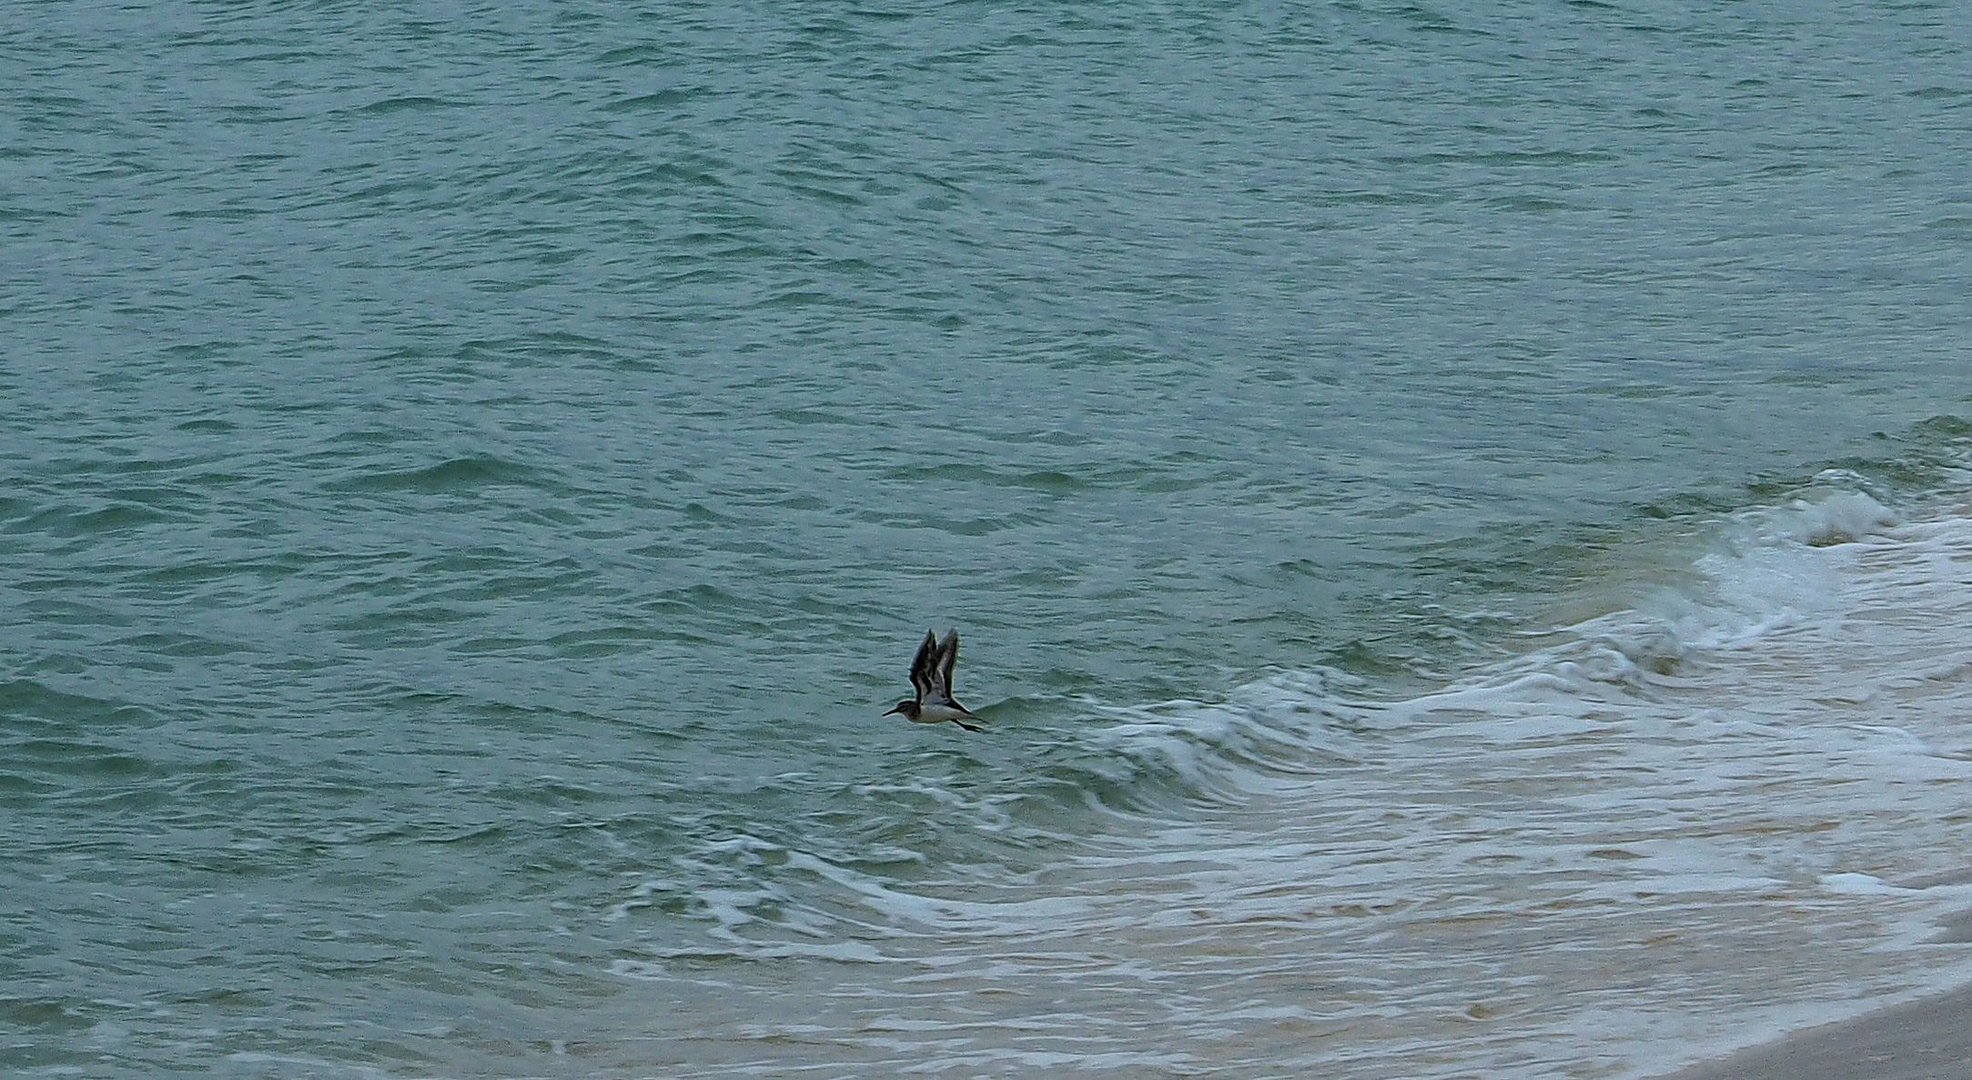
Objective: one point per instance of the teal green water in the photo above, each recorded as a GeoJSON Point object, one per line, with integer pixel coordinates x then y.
{"type": "Point", "coordinates": [473, 478]}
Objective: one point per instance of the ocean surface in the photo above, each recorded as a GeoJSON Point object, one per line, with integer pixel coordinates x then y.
{"type": "Point", "coordinates": [1460, 518]}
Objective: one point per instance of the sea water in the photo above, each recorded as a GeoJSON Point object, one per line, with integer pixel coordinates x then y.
{"type": "Point", "coordinates": [1458, 518]}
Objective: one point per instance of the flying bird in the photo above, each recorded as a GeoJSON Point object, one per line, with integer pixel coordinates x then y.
{"type": "Point", "coordinates": [931, 677]}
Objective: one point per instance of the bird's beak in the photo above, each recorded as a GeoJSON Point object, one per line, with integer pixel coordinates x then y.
{"type": "Point", "coordinates": [895, 709]}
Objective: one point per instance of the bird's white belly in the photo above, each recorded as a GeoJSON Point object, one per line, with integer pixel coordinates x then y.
{"type": "Point", "coordinates": [938, 714]}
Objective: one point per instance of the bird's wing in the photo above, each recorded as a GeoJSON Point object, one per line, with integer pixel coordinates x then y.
{"type": "Point", "coordinates": [924, 666]}
{"type": "Point", "coordinates": [948, 655]}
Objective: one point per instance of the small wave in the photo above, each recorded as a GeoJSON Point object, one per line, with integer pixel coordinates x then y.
{"type": "Point", "coordinates": [1838, 517]}
{"type": "Point", "coordinates": [1766, 570]}
{"type": "Point", "coordinates": [468, 473]}
{"type": "Point", "coordinates": [409, 103]}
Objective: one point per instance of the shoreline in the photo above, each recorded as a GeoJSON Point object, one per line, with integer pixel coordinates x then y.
{"type": "Point", "coordinates": [1928, 1038]}
{"type": "Point", "coordinates": [1924, 1034]}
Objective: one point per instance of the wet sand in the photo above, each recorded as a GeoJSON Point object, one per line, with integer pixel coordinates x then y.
{"type": "Point", "coordinates": [1928, 1039]}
